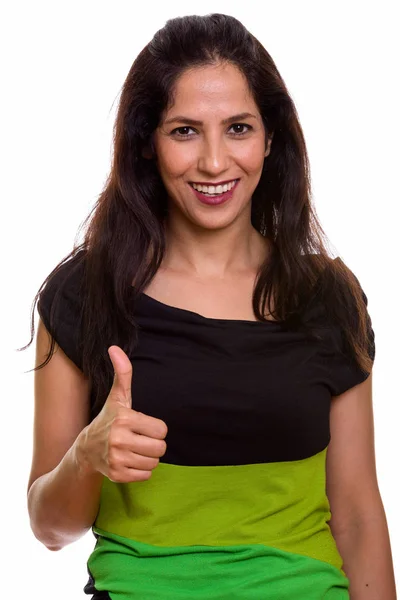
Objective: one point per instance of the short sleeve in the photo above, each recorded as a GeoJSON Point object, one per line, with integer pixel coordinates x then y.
{"type": "Point", "coordinates": [60, 307]}
{"type": "Point", "coordinates": [343, 370]}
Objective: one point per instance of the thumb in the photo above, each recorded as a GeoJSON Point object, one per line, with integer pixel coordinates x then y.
{"type": "Point", "coordinates": [121, 389]}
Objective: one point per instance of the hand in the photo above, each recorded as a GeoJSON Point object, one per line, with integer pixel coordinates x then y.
{"type": "Point", "coordinates": [121, 443]}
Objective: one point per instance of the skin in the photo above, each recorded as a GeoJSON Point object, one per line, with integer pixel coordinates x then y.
{"type": "Point", "coordinates": [211, 152]}
{"type": "Point", "coordinates": [210, 250]}
{"type": "Point", "coordinates": [213, 252]}
{"type": "Point", "coordinates": [212, 257]}
{"type": "Point", "coordinates": [358, 518]}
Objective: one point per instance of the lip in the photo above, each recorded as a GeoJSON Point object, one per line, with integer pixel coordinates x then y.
{"type": "Point", "coordinates": [214, 182]}
{"type": "Point", "coordinates": [215, 200]}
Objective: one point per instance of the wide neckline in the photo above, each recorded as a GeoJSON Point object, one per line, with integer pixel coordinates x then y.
{"type": "Point", "coordinates": [177, 311]}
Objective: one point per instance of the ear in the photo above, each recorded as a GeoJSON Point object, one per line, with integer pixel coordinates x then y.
{"type": "Point", "coordinates": [269, 142]}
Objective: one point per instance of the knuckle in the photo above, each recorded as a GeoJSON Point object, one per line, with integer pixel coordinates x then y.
{"type": "Point", "coordinates": [112, 464]}
{"type": "Point", "coordinates": [163, 429]}
{"type": "Point", "coordinates": [114, 440]}
{"type": "Point", "coordinates": [136, 475]}
{"type": "Point", "coordinates": [162, 448]}
{"type": "Point", "coordinates": [113, 474]}
{"type": "Point", "coordinates": [120, 418]}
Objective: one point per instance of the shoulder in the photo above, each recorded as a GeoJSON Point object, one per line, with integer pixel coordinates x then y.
{"type": "Point", "coordinates": [60, 305]}
{"type": "Point", "coordinates": [69, 270]}
{"type": "Point", "coordinates": [66, 280]}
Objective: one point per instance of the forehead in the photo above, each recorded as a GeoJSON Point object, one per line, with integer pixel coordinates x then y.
{"type": "Point", "coordinates": [212, 88]}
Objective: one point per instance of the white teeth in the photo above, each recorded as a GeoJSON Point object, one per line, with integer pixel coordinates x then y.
{"type": "Point", "coordinates": [212, 189]}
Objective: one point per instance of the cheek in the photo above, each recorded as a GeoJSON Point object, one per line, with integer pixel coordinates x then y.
{"type": "Point", "coordinates": [250, 156]}
{"type": "Point", "coordinates": [175, 159]}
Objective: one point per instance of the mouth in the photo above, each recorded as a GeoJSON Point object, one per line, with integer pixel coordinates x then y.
{"type": "Point", "coordinates": [214, 194]}
{"type": "Point", "coordinates": [209, 189]}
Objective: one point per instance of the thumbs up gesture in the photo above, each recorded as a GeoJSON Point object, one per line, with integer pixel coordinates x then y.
{"type": "Point", "coordinates": [121, 443]}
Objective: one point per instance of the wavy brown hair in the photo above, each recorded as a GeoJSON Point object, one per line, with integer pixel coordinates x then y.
{"type": "Point", "coordinates": [124, 236]}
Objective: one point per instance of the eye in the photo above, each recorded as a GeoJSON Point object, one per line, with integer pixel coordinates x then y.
{"type": "Point", "coordinates": [241, 125]}
{"type": "Point", "coordinates": [182, 131]}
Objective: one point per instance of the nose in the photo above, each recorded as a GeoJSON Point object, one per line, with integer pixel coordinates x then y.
{"type": "Point", "coordinates": [214, 157]}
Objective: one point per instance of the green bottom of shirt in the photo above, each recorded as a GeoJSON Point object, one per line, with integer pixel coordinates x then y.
{"type": "Point", "coordinates": [128, 569]}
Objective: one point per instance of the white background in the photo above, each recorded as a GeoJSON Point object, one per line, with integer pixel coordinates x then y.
{"type": "Point", "coordinates": [63, 65]}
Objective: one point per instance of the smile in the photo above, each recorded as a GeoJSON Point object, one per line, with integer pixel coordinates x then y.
{"type": "Point", "coordinates": [218, 195]}
{"type": "Point", "coordinates": [214, 189]}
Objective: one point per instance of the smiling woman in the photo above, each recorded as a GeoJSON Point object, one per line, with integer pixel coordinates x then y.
{"type": "Point", "coordinates": [208, 411]}
{"type": "Point", "coordinates": [214, 153]}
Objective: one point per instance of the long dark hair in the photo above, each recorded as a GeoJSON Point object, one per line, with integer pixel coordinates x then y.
{"type": "Point", "coordinates": [124, 233]}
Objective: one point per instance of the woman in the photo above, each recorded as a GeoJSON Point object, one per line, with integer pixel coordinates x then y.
{"type": "Point", "coordinates": [208, 410]}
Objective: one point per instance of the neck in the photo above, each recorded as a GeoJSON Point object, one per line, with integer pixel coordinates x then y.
{"type": "Point", "coordinates": [205, 253]}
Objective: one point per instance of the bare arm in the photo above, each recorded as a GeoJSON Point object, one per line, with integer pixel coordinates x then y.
{"type": "Point", "coordinates": [358, 517]}
{"type": "Point", "coordinates": [71, 457]}
{"type": "Point", "coordinates": [63, 493]}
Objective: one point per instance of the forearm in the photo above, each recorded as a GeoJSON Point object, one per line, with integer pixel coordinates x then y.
{"type": "Point", "coordinates": [367, 559]}
{"type": "Point", "coordinates": [63, 503]}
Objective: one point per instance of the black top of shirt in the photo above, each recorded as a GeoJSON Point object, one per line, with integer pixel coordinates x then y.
{"type": "Point", "coordinates": [246, 391]}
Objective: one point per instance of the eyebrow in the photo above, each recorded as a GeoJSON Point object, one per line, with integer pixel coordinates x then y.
{"type": "Point", "coordinates": [182, 119]}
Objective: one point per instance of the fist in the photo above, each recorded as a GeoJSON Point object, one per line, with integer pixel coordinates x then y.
{"type": "Point", "coordinates": [121, 443]}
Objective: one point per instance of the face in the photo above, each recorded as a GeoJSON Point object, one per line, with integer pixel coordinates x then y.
{"type": "Point", "coordinates": [212, 135]}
